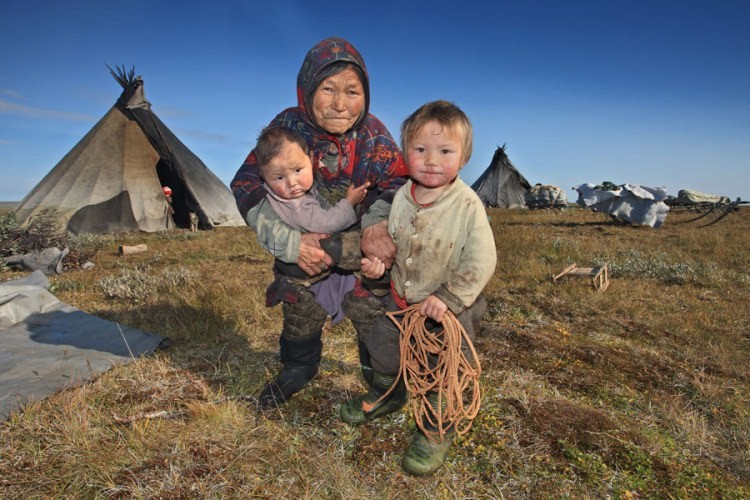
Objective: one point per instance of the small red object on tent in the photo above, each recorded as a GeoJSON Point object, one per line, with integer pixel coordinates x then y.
{"type": "Point", "coordinates": [167, 191]}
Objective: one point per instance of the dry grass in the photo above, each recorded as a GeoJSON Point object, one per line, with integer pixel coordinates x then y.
{"type": "Point", "coordinates": [643, 390]}
{"type": "Point", "coordinates": [7, 206]}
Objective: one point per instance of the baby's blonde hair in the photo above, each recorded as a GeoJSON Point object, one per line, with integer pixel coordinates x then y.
{"type": "Point", "coordinates": [447, 115]}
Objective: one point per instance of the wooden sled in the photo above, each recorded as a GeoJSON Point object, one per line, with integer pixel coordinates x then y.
{"type": "Point", "coordinates": [599, 275]}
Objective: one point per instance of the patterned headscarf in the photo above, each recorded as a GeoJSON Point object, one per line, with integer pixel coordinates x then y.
{"type": "Point", "coordinates": [316, 67]}
{"type": "Point", "coordinates": [366, 152]}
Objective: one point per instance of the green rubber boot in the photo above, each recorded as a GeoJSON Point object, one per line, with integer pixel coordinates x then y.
{"type": "Point", "coordinates": [362, 408]}
{"type": "Point", "coordinates": [423, 457]}
{"type": "Point", "coordinates": [366, 374]}
{"type": "Point", "coordinates": [364, 362]}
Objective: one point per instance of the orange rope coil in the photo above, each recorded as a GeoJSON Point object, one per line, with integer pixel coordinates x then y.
{"type": "Point", "coordinates": [453, 377]}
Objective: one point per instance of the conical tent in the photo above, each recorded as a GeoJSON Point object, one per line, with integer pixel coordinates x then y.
{"type": "Point", "coordinates": [501, 185]}
{"type": "Point", "coordinates": [112, 180]}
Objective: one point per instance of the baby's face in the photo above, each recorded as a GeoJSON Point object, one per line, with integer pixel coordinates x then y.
{"type": "Point", "coordinates": [289, 174]}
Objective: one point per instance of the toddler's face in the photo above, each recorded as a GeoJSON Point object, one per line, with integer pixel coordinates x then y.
{"type": "Point", "coordinates": [434, 155]}
{"type": "Point", "coordinates": [289, 174]}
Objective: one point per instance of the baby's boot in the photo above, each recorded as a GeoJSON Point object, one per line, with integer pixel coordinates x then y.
{"type": "Point", "coordinates": [366, 407]}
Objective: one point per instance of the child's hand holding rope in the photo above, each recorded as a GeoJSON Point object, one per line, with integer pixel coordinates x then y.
{"type": "Point", "coordinates": [433, 362]}
{"type": "Point", "coordinates": [433, 308]}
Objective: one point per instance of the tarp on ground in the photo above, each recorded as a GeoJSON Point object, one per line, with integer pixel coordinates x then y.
{"type": "Point", "coordinates": [47, 345]}
{"type": "Point", "coordinates": [638, 205]}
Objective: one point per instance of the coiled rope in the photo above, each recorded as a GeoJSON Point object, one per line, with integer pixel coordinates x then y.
{"type": "Point", "coordinates": [433, 362]}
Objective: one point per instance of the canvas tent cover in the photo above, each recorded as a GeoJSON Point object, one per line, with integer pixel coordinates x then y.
{"type": "Point", "coordinates": [638, 205]}
{"type": "Point", "coordinates": [47, 345]}
{"type": "Point", "coordinates": [546, 196]}
{"type": "Point", "coordinates": [501, 184]}
{"type": "Point", "coordinates": [111, 181]}
{"type": "Point", "coordinates": [690, 197]}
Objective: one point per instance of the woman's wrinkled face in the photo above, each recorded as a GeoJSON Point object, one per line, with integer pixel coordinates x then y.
{"type": "Point", "coordinates": [338, 102]}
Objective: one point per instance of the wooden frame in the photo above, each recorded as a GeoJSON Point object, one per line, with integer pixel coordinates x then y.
{"type": "Point", "coordinates": [599, 275]}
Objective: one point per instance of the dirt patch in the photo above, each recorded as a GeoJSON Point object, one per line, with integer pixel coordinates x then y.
{"type": "Point", "coordinates": [560, 420]}
{"type": "Point", "coordinates": [581, 437]}
{"type": "Point", "coordinates": [577, 363]}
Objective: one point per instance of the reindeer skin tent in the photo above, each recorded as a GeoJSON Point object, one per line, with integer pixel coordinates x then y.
{"type": "Point", "coordinates": [111, 181]}
{"type": "Point", "coordinates": [501, 185]}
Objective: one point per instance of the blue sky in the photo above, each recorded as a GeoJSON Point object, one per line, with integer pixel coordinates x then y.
{"type": "Point", "coordinates": [654, 92]}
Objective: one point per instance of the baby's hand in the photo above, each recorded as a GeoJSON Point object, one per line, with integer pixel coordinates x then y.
{"type": "Point", "coordinates": [372, 268]}
{"type": "Point", "coordinates": [355, 195]}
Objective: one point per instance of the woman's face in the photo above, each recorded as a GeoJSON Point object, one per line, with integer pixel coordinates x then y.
{"type": "Point", "coordinates": [338, 102]}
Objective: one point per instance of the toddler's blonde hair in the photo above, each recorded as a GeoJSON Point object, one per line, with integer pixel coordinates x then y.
{"type": "Point", "coordinates": [447, 115]}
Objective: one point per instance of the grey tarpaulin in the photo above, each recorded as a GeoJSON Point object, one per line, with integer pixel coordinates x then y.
{"type": "Point", "coordinates": [47, 345]}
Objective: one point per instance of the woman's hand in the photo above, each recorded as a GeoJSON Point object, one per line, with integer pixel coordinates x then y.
{"type": "Point", "coordinates": [433, 308]}
{"type": "Point", "coordinates": [377, 243]}
{"type": "Point", "coordinates": [312, 259]}
{"type": "Point", "coordinates": [372, 269]}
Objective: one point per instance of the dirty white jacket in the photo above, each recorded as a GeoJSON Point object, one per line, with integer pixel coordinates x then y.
{"type": "Point", "coordinates": [445, 249]}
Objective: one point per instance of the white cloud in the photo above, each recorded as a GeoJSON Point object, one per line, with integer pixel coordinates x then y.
{"type": "Point", "coordinates": [172, 112]}
{"type": "Point", "coordinates": [11, 108]}
{"type": "Point", "coordinates": [204, 136]}
{"type": "Point", "coordinates": [11, 93]}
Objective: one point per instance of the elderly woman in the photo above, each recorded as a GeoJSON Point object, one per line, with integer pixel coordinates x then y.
{"type": "Point", "coordinates": [348, 146]}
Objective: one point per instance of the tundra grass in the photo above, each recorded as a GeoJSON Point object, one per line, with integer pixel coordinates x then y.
{"type": "Point", "coordinates": [639, 391]}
